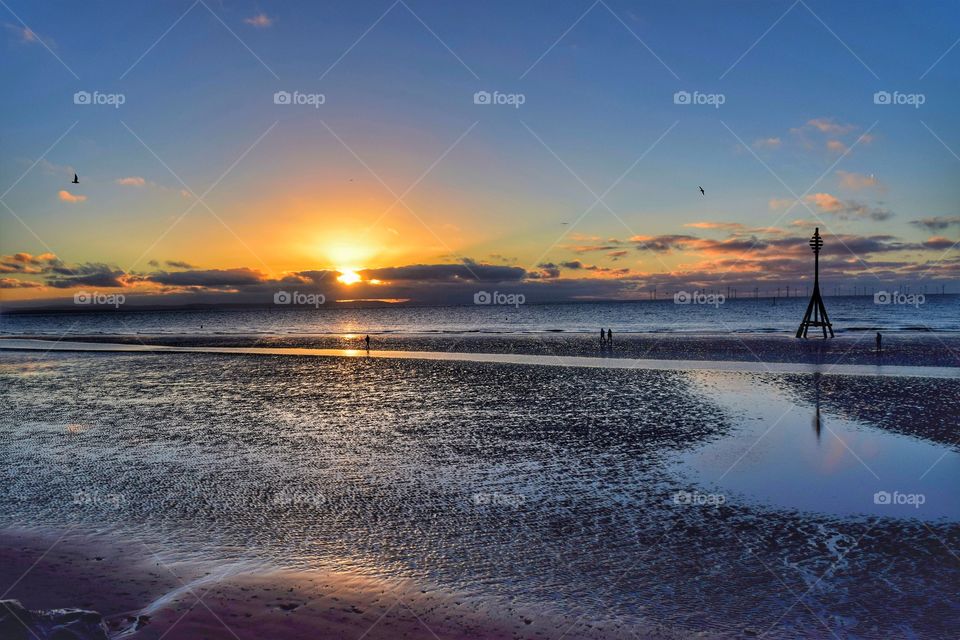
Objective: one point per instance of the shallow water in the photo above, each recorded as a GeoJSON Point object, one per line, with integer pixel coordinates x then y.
{"type": "Point", "coordinates": [811, 459]}
{"type": "Point", "coordinates": [548, 487]}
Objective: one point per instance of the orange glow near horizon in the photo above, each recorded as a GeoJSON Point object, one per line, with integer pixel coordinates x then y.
{"type": "Point", "coordinates": [348, 276]}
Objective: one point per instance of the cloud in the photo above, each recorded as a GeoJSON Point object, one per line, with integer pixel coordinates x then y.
{"type": "Point", "coordinates": [26, 35]}
{"type": "Point", "coordinates": [939, 243]}
{"type": "Point", "coordinates": [261, 21]}
{"type": "Point", "coordinates": [14, 283]}
{"type": "Point", "coordinates": [726, 226]}
{"type": "Point", "coordinates": [936, 223]}
{"type": "Point", "coordinates": [547, 270]}
{"type": "Point", "coordinates": [765, 259]}
{"type": "Point", "coordinates": [767, 143]}
{"type": "Point", "coordinates": [663, 243]}
{"type": "Point", "coordinates": [177, 264]}
{"type": "Point", "coordinates": [132, 181]}
{"type": "Point", "coordinates": [836, 146]}
{"type": "Point", "coordinates": [857, 181]}
{"type": "Point", "coordinates": [780, 203]}
{"type": "Point", "coordinates": [847, 209]}
{"type": "Point", "coordinates": [825, 202]}
{"type": "Point", "coordinates": [829, 127]}
{"type": "Point", "coordinates": [208, 278]}
{"type": "Point", "coordinates": [588, 248]}
{"type": "Point", "coordinates": [90, 274]}
{"type": "Point", "coordinates": [27, 264]}
{"type": "Point", "coordinates": [66, 196]}
{"type": "Point", "coordinates": [467, 272]}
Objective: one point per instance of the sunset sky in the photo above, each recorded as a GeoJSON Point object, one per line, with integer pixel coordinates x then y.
{"type": "Point", "coordinates": [200, 187]}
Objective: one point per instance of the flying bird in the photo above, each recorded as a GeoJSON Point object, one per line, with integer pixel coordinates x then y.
{"type": "Point", "coordinates": [76, 180]}
{"type": "Point", "coordinates": [702, 192]}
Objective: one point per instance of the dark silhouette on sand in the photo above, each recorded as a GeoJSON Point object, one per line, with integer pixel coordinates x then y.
{"type": "Point", "coordinates": [368, 342]}
{"type": "Point", "coordinates": [816, 315]}
{"type": "Point", "coordinates": [879, 343]}
{"type": "Point", "coordinates": [610, 337]}
{"type": "Point", "coordinates": [603, 338]}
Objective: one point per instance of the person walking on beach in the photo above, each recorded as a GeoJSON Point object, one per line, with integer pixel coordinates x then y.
{"type": "Point", "coordinates": [879, 343]}
{"type": "Point", "coordinates": [610, 337]}
{"type": "Point", "coordinates": [368, 342]}
{"type": "Point", "coordinates": [603, 338]}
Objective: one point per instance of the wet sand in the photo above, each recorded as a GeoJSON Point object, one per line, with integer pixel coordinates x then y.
{"type": "Point", "coordinates": [143, 597]}
{"type": "Point", "coordinates": [899, 349]}
{"type": "Point", "coordinates": [880, 367]}
{"type": "Point", "coordinates": [201, 453]}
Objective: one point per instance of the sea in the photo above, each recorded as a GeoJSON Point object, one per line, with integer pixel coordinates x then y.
{"type": "Point", "coordinates": [699, 314]}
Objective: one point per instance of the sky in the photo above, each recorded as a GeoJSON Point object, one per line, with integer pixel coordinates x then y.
{"type": "Point", "coordinates": [420, 151]}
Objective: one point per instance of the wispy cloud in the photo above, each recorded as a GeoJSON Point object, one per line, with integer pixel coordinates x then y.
{"type": "Point", "coordinates": [25, 34]}
{"type": "Point", "coordinates": [847, 209]}
{"type": "Point", "coordinates": [857, 181]}
{"type": "Point", "coordinates": [132, 181]}
{"type": "Point", "coordinates": [936, 223]}
{"type": "Point", "coordinates": [768, 143]}
{"type": "Point", "coordinates": [66, 196]}
{"type": "Point", "coordinates": [261, 21]}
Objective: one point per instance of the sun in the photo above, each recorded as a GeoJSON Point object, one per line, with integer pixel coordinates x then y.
{"type": "Point", "coordinates": [348, 276]}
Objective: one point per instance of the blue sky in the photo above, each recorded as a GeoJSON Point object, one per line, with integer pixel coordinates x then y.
{"type": "Point", "coordinates": [505, 185]}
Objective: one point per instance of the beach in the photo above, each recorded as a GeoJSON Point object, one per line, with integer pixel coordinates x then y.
{"type": "Point", "coordinates": [899, 349]}
{"type": "Point", "coordinates": [194, 600]}
{"type": "Point", "coordinates": [591, 501]}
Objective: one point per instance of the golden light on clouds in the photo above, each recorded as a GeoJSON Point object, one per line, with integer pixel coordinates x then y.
{"type": "Point", "coordinates": [348, 276]}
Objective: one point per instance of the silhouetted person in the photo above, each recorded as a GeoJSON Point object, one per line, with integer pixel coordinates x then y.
{"type": "Point", "coordinates": [603, 338]}
{"type": "Point", "coordinates": [610, 337]}
{"type": "Point", "coordinates": [879, 343]}
{"type": "Point", "coordinates": [368, 342]}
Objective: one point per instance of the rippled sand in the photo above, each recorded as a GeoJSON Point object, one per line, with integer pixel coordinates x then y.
{"type": "Point", "coordinates": [548, 488]}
